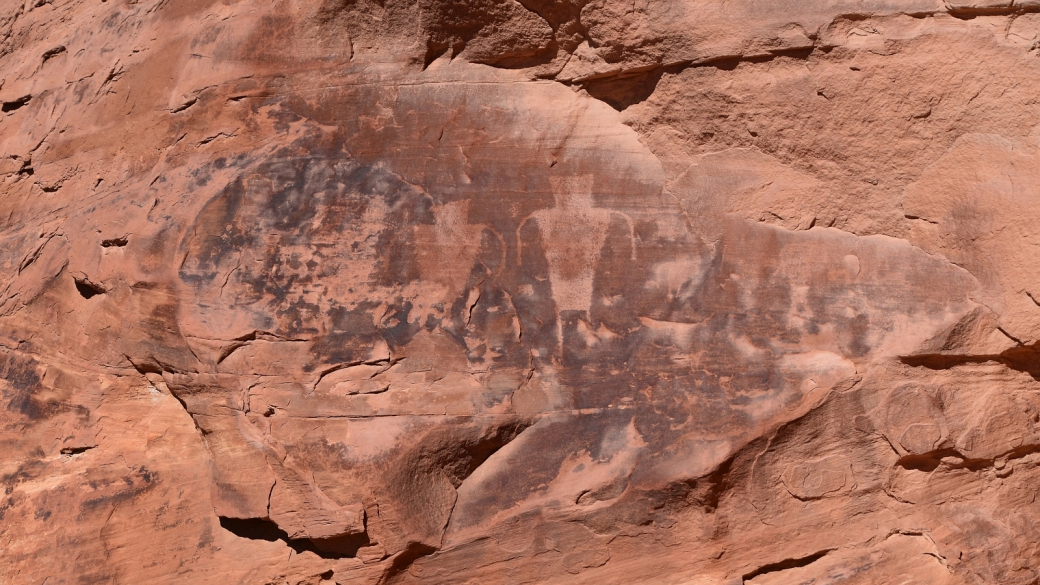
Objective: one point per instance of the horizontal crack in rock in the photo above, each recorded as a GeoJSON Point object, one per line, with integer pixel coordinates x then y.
{"type": "Point", "coordinates": [340, 547]}
{"type": "Point", "coordinates": [1023, 358]}
{"type": "Point", "coordinates": [787, 564]}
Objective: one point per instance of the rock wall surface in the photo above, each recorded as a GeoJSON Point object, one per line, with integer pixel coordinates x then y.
{"type": "Point", "coordinates": [520, 291]}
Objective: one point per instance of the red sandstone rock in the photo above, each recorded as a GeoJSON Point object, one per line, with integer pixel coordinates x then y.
{"type": "Point", "coordinates": [531, 291]}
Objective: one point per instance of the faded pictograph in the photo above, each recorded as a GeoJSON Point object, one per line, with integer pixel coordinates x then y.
{"type": "Point", "coordinates": [572, 235]}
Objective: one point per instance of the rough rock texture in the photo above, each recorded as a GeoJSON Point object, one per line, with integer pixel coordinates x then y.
{"type": "Point", "coordinates": [519, 291]}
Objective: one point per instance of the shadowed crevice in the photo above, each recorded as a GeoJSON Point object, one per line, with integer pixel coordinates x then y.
{"type": "Point", "coordinates": [13, 105]}
{"type": "Point", "coordinates": [628, 88]}
{"type": "Point", "coordinates": [787, 564]}
{"type": "Point", "coordinates": [88, 289]}
{"type": "Point", "coordinates": [114, 242]}
{"type": "Point", "coordinates": [1024, 358]}
{"type": "Point", "coordinates": [264, 529]}
{"type": "Point", "coordinates": [1010, 9]}
{"type": "Point", "coordinates": [623, 91]}
{"type": "Point", "coordinates": [413, 552]}
{"type": "Point", "coordinates": [929, 462]}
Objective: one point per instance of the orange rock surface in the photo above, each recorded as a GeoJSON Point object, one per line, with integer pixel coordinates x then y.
{"type": "Point", "coordinates": [519, 291]}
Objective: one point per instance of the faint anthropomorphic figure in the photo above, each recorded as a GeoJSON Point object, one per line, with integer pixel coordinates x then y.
{"type": "Point", "coordinates": [447, 251]}
{"type": "Point", "coordinates": [573, 233]}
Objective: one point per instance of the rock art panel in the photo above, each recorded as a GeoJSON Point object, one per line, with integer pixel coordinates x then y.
{"type": "Point", "coordinates": [446, 292]}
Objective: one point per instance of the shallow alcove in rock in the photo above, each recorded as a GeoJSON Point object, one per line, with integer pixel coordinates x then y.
{"type": "Point", "coordinates": [88, 289]}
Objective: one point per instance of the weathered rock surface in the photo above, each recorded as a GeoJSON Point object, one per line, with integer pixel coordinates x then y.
{"type": "Point", "coordinates": [519, 291]}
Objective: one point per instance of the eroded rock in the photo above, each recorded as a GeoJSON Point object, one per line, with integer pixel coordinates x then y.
{"type": "Point", "coordinates": [518, 291]}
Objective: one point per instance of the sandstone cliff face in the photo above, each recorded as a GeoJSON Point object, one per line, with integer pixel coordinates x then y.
{"type": "Point", "coordinates": [519, 291]}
